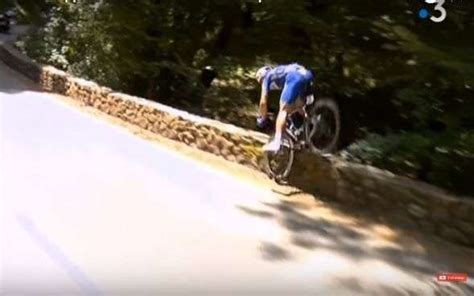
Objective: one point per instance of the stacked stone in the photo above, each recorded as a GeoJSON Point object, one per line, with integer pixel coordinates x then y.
{"type": "Point", "coordinates": [137, 111]}
{"type": "Point", "coordinates": [407, 202]}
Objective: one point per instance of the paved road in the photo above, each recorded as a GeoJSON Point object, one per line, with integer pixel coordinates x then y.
{"type": "Point", "coordinates": [89, 209]}
{"type": "Point", "coordinates": [15, 31]}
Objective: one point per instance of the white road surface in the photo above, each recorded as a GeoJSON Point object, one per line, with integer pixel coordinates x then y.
{"type": "Point", "coordinates": [90, 209]}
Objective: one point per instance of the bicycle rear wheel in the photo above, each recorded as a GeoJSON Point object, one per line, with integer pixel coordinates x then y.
{"type": "Point", "coordinates": [278, 164]}
{"type": "Point", "coordinates": [323, 126]}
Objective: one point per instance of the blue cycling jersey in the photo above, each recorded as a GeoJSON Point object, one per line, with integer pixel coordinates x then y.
{"type": "Point", "coordinates": [276, 78]}
{"type": "Point", "coordinates": [293, 79]}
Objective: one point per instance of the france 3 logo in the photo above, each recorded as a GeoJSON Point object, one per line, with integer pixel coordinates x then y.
{"type": "Point", "coordinates": [437, 10]}
{"type": "Point", "coordinates": [439, 14]}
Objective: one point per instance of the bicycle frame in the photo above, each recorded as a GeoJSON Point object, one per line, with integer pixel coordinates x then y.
{"type": "Point", "coordinates": [295, 139]}
{"type": "Point", "coordinates": [299, 143]}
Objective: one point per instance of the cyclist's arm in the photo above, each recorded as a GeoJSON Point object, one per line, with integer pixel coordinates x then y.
{"type": "Point", "coordinates": [264, 98]}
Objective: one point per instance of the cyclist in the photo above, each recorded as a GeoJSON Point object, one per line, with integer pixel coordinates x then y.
{"type": "Point", "coordinates": [295, 82]}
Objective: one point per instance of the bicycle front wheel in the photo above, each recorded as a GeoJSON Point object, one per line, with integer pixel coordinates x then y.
{"type": "Point", "coordinates": [278, 164]}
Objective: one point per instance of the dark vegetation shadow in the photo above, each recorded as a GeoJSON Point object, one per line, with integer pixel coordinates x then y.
{"type": "Point", "coordinates": [352, 242]}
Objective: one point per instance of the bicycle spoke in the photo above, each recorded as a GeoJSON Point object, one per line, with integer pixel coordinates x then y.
{"type": "Point", "coordinates": [322, 128]}
{"type": "Point", "coordinates": [279, 163]}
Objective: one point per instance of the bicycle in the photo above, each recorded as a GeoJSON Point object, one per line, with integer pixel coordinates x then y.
{"type": "Point", "coordinates": [318, 133]}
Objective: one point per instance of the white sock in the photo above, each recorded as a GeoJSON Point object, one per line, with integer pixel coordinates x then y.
{"type": "Point", "coordinates": [278, 138]}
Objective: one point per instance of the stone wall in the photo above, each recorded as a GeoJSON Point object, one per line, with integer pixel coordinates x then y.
{"type": "Point", "coordinates": [396, 199]}
{"type": "Point", "coordinates": [232, 143]}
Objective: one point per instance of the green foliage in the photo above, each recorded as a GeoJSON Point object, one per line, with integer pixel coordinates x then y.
{"type": "Point", "coordinates": [392, 73]}
{"type": "Point", "coordinates": [445, 159]}
{"type": "Point", "coordinates": [4, 5]}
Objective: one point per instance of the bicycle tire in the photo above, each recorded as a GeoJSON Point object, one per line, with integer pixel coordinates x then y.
{"type": "Point", "coordinates": [280, 175]}
{"type": "Point", "coordinates": [330, 146]}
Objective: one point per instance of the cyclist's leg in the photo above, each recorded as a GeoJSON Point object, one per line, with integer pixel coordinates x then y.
{"type": "Point", "coordinates": [303, 89]}
{"type": "Point", "coordinates": [299, 106]}
{"type": "Point", "coordinates": [289, 96]}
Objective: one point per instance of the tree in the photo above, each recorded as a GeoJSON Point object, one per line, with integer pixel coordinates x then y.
{"type": "Point", "coordinates": [392, 73]}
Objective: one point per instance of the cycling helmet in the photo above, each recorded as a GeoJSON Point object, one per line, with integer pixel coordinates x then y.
{"type": "Point", "coordinates": [262, 72]}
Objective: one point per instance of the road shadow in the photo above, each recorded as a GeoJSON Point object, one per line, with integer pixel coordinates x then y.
{"type": "Point", "coordinates": [408, 251]}
{"type": "Point", "coordinates": [12, 82]}
{"type": "Point", "coordinates": [436, 288]}
{"type": "Point", "coordinates": [273, 252]}
{"type": "Point", "coordinates": [287, 194]}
